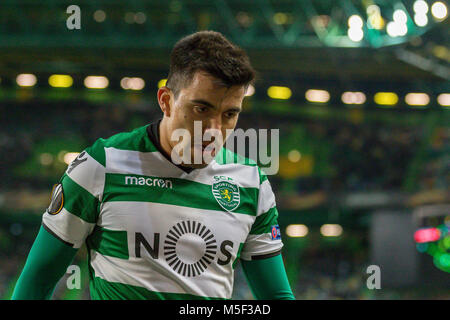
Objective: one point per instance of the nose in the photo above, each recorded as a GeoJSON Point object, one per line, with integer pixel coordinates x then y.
{"type": "Point", "coordinates": [214, 123]}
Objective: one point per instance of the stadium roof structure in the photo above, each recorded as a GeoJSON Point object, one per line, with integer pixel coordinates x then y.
{"type": "Point", "coordinates": [343, 41]}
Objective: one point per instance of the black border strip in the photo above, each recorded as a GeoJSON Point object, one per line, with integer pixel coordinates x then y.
{"type": "Point", "coordinates": [56, 236]}
{"type": "Point", "coordinates": [265, 256]}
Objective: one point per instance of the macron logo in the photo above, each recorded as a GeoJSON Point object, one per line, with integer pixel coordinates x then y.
{"type": "Point", "coordinates": [151, 182]}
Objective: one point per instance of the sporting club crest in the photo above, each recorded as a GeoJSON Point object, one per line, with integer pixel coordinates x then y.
{"type": "Point", "coordinates": [226, 193]}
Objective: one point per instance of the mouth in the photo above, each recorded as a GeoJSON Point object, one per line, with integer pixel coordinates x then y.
{"type": "Point", "coordinates": [204, 148]}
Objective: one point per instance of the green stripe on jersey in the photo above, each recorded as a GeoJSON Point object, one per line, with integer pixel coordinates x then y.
{"type": "Point", "coordinates": [79, 201]}
{"type": "Point", "coordinates": [238, 255]}
{"type": "Point", "coordinates": [136, 140]}
{"type": "Point", "coordinates": [174, 191]}
{"type": "Point", "coordinates": [226, 156]}
{"type": "Point", "coordinates": [109, 242]}
{"type": "Point", "coordinates": [104, 290]}
{"type": "Point", "coordinates": [265, 221]}
{"type": "Point", "coordinates": [97, 151]}
{"type": "Point", "coordinates": [262, 175]}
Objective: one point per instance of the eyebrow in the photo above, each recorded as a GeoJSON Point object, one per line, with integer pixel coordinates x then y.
{"type": "Point", "coordinates": [208, 104]}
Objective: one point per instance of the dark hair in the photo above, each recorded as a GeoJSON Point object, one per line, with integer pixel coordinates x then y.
{"type": "Point", "coordinates": [211, 52]}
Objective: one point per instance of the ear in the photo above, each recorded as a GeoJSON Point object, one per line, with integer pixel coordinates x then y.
{"type": "Point", "coordinates": [165, 99]}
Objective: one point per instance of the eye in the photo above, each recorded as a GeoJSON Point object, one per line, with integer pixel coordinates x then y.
{"type": "Point", "coordinates": [230, 114]}
{"type": "Point", "coordinates": [200, 109]}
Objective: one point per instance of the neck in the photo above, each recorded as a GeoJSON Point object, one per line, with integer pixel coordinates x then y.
{"type": "Point", "coordinates": [164, 141]}
{"type": "Point", "coordinates": [164, 137]}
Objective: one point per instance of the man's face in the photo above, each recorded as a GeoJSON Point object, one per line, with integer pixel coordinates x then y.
{"type": "Point", "coordinates": [213, 106]}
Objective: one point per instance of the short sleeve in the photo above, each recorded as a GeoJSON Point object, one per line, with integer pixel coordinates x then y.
{"type": "Point", "coordinates": [264, 239]}
{"type": "Point", "coordinates": [74, 205]}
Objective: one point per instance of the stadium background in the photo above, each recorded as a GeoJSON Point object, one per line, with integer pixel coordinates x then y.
{"type": "Point", "coordinates": [358, 89]}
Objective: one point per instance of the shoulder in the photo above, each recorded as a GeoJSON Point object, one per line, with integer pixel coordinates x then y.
{"type": "Point", "coordinates": [228, 157]}
{"type": "Point", "coordinates": [135, 140]}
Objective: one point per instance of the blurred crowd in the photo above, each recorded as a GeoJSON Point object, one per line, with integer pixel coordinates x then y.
{"type": "Point", "coordinates": [368, 156]}
{"type": "Point", "coordinates": [346, 156]}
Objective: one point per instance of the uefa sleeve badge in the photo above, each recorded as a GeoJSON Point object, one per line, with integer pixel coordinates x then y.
{"type": "Point", "coordinates": [57, 200]}
{"type": "Point", "coordinates": [276, 234]}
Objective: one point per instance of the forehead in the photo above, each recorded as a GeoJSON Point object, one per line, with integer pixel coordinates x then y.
{"type": "Point", "coordinates": [206, 86]}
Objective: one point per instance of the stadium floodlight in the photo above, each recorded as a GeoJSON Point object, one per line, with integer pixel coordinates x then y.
{"type": "Point", "coordinates": [355, 31]}
{"type": "Point", "coordinates": [250, 91]}
{"type": "Point", "coordinates": [373, 9]}
{"type": "Point", "coordinates": [374, 18]}
{"type": "Point", "coordinates": [315, 95]}
{"type": "Point", "coordinates": [355, 21]}
{"type": "Point", "coordinates": [278, 92]}
{"type": "Point", "coordinates": [296, 230]}
{"type": "Point", "coordinates": [162, 83]}
{"type": "Point", "coordinates": [420, 7]}
{"type": "Point", "coordinates": [439, 10]}
{"type": "Point", "coordinates": [421, 19]}
{"type": "Point", "coordinates": [140, 17]}
{"type": "Point", "coordinates": [134, 83]}
{"type": "Point", "coordinates": [26, 80]}
{"type": "Point", "coordinates": [96, 82]}
{"type": "Point", "coordinates": [444, 99]}
{"type": "Point", "coordinates": [331, 230]}
{"type": "Point", "coordinates": [391, 29]}
{"type": "Point", "coordinates": [70, 156]}
{"type": "Point", "coordinates": [386, 98]}
{"type": "Point", "coordinates": [124, 83]}
{"type": "Point", "coordinates": [396, 29]}
{"type": "Point", "coordinates": [402, 29]}
{"type": "Point", "coordinates": [60, 81]}
{"type": "Point", "coordinates": [400, 16]}
{"type": "Point", "coordinates": [417, 99]}
{"type": "Point", "coordinates": [280, 18]}
{"type": "Point", "coordinates": [355, 34]}
{"type": "Point", "coordinates": [294, 156]}
{"type": "Point", "coordinates": [46, 159]}
{"type": "Point", "coordinates": [349, 97]}
{"type": "Point", "coordinates": [99, 15]}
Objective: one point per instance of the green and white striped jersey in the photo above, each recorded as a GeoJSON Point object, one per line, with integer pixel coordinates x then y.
{"type": "Point", "coordinates": [154, 231]}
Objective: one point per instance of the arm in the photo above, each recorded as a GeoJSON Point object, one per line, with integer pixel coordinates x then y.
{"type": "Point", "coordinates": [46, 264]}
{"type": "Point", "coordinates": [69, 219]}
{"type": "Point", "coordinates": [267, 278]}
{"type": "Point", "coordinates": [261, 258]}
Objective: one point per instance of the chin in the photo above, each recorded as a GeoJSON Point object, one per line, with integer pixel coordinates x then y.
{"type": "Point", "coordinates": [198, 166]}
{"type": "Point", "coordinates": [203, 164]}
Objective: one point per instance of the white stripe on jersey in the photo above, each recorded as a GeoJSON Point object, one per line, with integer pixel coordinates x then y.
{"type": "Point", "coordinates": [259, 242]}
{"type": "Point", "coordinates": [266, 199]}
{"type": "Point", "coordinates": [68, 227]}
{"type": "Point", "coordinates": [155, 164]}
{"type": "Point", "coordinates": [158, 278]}
{"type": "Point", "coordinates": [127, 215]}
{"type": "Point", "coordinates": [90, 175]}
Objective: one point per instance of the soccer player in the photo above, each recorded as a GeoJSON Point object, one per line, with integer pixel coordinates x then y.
{"type": "Point", "coordinates": [158, 229]}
